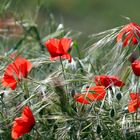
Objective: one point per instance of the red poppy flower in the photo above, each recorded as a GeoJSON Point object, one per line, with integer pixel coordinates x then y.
{"type": "Point", "coordinates": [15, 71]}
{"type": "Point", "coordinates": [23, 124]}
{"type": "Point", "coordinates": [129, 34]}
{"type": "Point", "coordinates": [136, 67]}
{"type": "Point", "coordinates": [59, 48]}
{"type": "Point", "coordinates": [95, 93]}
{"type": "Point", "coordinates": [108, 81]}
{"type": "Point", "coordinates": [134, 104]}
{"type": "Point", "coordinates": [81, 98]}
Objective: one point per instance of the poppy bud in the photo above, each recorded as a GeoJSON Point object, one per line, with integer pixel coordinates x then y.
{"type": "Point", "coordinates": [118, 96]}
{"type": "Point", "coordinates": [72, 92]}
{"type": "Point", "coordinates": [98, 129]}
{"type": "Point", "coordinates": [133, 56]}
{"type": "Point", "coordinates": [2, 95]}
{"type": "Point", "coordinates": [112, 113]}
{"type": "Point", "coordinates": [87, 86]}
{"type": "Point", "coordinates": [125, 110]}
{"type": "Point", "coordinates": [127, 132]}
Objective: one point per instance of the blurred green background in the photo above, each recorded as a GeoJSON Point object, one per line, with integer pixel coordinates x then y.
{"type": "Point", "coordinates": [88, 16]}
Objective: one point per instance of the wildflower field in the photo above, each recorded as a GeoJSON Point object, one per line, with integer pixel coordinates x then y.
{"type": "Point", "coordinates": [52, 88]}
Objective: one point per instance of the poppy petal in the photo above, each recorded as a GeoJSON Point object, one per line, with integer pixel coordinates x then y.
{"type": "Point", "coordinates": [65, 43]}
{"type": "Point", "coordinates": [15, 71]}
{"type": "Point", "coordinates": [66, 56]}
{"type": "Point", "coordinates": [107, 81]}
{"type": "Point", "coordinates": [9, 81]}
{"type": "Point", "coordinates": [96, 93]}
{"type": "Point", "coordinates": [136, 67]}
{"type": "Point", "coordinates": [23, 124]}
{"type": "Point", "coordinates": [130, 33]}
{"type": "Point", "coordinates": [120, 35]}
{"type": "Point", "coordinates": [133, 96]}
{"type": "Point", "coordinates": [127, 38]}
{"type": "Point", "coordinates": [81, 98]}
{"type": "Point", "coordinates": [53, 47]}
{"type": "Point", "coordinates": [132, 106]}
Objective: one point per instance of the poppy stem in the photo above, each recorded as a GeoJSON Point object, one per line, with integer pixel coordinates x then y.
{"type": "Point", "coordinates": [134, 125]}
{"type": "Point", "coordinates": [137, 92]}
{"type": "Point", "coordinates": [63, 70]}
{"type": "Point", "coordinates": [37, 132]}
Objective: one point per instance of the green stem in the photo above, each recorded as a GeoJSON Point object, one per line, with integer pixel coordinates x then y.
{"type": "Point", "coordinates": [63, 70]}
{"type": "Point", "coordinates": [37, 132]}
{"type": "Point", "coordinates": [137, 92]}
{"type": "Point", "coordinates": [134, 124]}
